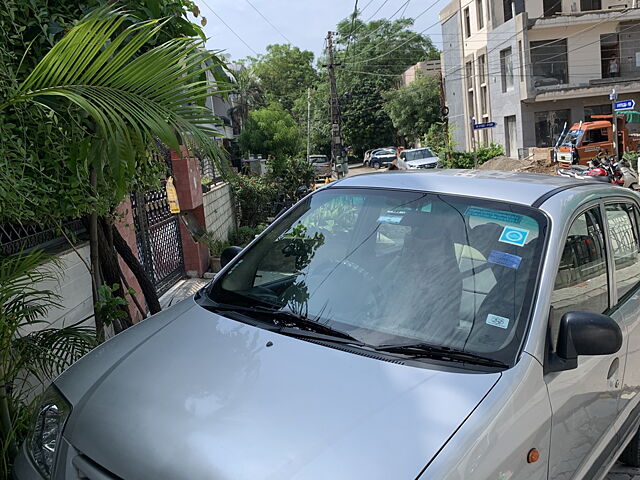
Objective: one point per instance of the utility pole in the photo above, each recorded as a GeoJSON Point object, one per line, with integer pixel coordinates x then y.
{"type": "Point", "coordinates": [308, 123]}
{"type": "Point", "coordinates": [338, 162]}
{"type": "Point", "coordinates": [614, 122]}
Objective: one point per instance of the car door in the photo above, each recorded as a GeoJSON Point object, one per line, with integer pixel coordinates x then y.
{"type": "Point", "coordinates": [584, 400]}
{"type": "Point", "coordinates": [622, 223]}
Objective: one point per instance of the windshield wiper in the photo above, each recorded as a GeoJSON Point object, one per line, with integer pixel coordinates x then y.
{"type": "Point", "coordinates": [418, 350]}
{"type": "Point", "coordinates": [284, 320]}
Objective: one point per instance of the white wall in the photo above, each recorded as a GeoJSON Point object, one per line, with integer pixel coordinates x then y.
{"type": "Point", "coordinates": [218, 212]}
{"type": "Point", "coordinates": [73, 284]}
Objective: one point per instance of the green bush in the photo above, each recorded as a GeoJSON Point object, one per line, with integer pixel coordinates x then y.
{"type": "Point", "coordinates": [255, 196]}
{"type": "Point", "coordinates": [242, 236]}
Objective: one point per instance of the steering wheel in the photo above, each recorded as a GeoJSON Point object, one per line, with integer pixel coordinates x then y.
{"type": "Point", "coordinates": [369, 304]}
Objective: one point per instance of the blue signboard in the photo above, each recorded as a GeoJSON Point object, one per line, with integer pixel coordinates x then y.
{"type": "Point", "coordinates": [625, 105]}
{"type": "Point", "coordinates": [479, 126]}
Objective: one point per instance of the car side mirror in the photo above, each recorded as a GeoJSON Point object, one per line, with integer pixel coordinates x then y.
{"type": "Point", "coordinates": [584, 333]}
{"type": "Point", "coordinates": [229, 254]}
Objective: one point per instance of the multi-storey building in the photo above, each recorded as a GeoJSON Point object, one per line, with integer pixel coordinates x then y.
{"type": "Point", "coordinates": [532, 65]}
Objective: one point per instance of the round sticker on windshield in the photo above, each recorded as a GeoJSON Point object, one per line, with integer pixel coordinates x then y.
{"type": "Point", "coordinates": [514, 236]}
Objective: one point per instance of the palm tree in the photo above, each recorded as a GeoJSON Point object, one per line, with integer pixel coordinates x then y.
{"type": "Point", "coordinates": [29, 354]}
{"type": "Point", "coordinates": [132, 95]}
{"type": "Point", "coordinates": [247, 94]}
{"type": "Point", "coordinates": [128, 93]}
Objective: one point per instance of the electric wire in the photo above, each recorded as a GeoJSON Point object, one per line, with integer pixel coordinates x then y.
{"type": "Point", "coordinates": [267, 20]}
{"type": "Point", "coordinates": [230, 29]}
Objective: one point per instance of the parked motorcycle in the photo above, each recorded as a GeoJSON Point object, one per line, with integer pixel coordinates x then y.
{"type": "Point", "coordinates": [605, 169]}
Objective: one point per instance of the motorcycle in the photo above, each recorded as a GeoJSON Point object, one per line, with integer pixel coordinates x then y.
{"type": "Point", "coordinates": [605, 169]}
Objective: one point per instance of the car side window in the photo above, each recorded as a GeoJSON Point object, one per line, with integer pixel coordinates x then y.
{"type": "Point", "coordinates": [623, 233]}
{"type": "Point", "coordinates": [581, 282]}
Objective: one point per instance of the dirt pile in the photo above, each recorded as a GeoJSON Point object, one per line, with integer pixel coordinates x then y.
{"type": "Point", "coordinates": [531, 164]}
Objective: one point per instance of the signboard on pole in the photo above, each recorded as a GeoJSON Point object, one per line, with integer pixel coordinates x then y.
{"type": "Point", "coordinates": [625, 105]}
{"type": "Point", "coordinates": [480, 126]}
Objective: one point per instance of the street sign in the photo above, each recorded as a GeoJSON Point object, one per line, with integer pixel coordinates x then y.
{"type": "Point", "coordinates": [480, 126]}
{"type": "Point", "coordinates": [625, 105]}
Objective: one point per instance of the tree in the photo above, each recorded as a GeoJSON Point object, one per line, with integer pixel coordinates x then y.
{"type": "Point", "coordinates": [378, 52]}
{"type": "Point", "coordinates": [285, 72]}
{"type": "Point", "coordinates": [271, 131]}
{"type": "Point", "coordinates": [247, 94]}
{"type": "Point", "coordinates": [415, 107]}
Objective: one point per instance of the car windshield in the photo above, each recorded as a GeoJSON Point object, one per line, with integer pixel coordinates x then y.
{"type": "Point", "coordinates": [571, 138]}
{"type": "Point", "coordinates": [322, 159]}
{"type": "Point", "coordinates": [418, 154]}
{"type": "Point", "coordinates": [396, 267]}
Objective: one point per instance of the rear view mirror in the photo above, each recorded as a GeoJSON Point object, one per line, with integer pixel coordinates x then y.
{"type": "Point", "coordinates": [584, 333]}
{"type": "Point", "coordinates": [229, 254]}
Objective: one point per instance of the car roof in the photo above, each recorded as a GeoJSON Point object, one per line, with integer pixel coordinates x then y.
{"type": "Point", "coordinates": [515, 187]}
{"type": "Point", "coordinates": [416, 149]}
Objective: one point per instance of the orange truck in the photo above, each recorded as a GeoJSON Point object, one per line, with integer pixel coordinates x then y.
{"type": "Point", "coordinates": [585, 140]}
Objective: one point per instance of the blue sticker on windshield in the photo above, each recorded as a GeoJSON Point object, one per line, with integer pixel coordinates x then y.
{"type": "Point", "coordinates": [504, 259]}
{"type": "Point", "coordinates": [514, 236]}
{"type": "Point", "coordinates": [498, 215]}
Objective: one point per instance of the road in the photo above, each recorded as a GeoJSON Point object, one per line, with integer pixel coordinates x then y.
{"type": "Point", "coordinates": [619, 471]}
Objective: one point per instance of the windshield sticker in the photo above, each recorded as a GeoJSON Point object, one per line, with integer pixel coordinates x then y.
{"type": "Point", "coordinates": [494, 215]}
{"type": "Point", "coordinates": [504, 259]}
{"type": "Point", "coordinates": [389, 219]}
{"type": "Point", "coordinates": [514, 236]}
{"type": "Point", "coordinates": [496, 321]}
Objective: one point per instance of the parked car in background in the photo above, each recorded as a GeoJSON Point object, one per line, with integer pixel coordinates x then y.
{"type": "Point", "coordinates": [382, 157]}
{"type": "Point", "coordinates": [418, 158]}
{"type": "Point", "coordinates": [508, 349]}
{"type": "Point", "coordinates": [321, 165]}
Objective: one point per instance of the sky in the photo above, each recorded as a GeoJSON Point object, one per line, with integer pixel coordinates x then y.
{"type": "Point", "coordinates": [304, 22]}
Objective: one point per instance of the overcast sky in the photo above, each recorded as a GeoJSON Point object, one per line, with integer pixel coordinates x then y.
{"type": "Point", "coordinates": [304, 22]}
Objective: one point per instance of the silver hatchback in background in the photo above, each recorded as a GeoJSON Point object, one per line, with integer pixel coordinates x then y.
{"type": "Point", "coordinates": [444, 326]}
{"type": "Point", "coordinates": [321, 165]}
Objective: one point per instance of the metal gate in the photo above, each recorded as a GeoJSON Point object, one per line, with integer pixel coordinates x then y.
{"type": "Point", "coordinates": [158, 235]}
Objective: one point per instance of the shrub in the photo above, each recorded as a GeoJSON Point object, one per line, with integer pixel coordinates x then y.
{"type": "Point", "coordinates": [255, 197]}
{"type": "Point", "coordinates": [242, 236]}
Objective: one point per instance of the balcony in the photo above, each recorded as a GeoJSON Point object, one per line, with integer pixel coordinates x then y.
{"type": "Point", "coordinates": [617, 11]}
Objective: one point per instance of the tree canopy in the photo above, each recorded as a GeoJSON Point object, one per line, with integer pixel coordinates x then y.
{"type": "Point", "coordinates": [415, 107]}
{"type": "Point", "coordinates": [271, 131]}
{"type": "Point", "coordinates": [373, 57]}
{"type": "Point", "coordinates": [285, 72]}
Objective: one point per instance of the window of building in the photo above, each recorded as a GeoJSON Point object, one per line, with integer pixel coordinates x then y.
{"type": "Point", "coordinates": [506, 70]}
{"type": "Point", "coordinates": [610, 55]}
{"type": "Point", "coordinates": [549, 126]}
{"type": "Point", "coordinates": [508, 6]}
{"type": "Point", "coordinates": [471, 104]}
{"type": "Point", "coordinates": [549, 63]}
{"type": "Point", "coordinates": [581, 282]}
{"type": "Point", "coordinates": [586, 5]}
{"type": "Point", "coordinates": [551, 7]}
{"type": "Point", "coordinates": [468, 68]}
{"type": "Point", "coordinates": [467, 23]}
{"type": "Point", "coordinates": [520, 61]}
{"type": "Point", "coordinates": [480, 14]}
{"type": "Point", "coordinates": [589, 112]}
{"type": "Point", "coordinates": [483, 100]}
{"type": "Point", "coordinates": [482, 68]}
{"type": "Point", "coordinates": [623, 233]}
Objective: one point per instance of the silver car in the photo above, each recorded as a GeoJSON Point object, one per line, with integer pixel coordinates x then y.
{"type": "Point", "coordinates": [445, 326]}
{"type": "Point", "coordinates": [419, 158]}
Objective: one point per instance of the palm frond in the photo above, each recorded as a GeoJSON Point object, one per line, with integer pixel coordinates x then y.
{"type": "Point", "coordinates": [132, 98]}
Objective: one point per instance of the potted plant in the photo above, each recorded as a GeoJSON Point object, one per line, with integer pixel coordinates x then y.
{"type": "Point", "coordinates": [206, 182]}
{"type": "Point", "coordinates": [216, 247]}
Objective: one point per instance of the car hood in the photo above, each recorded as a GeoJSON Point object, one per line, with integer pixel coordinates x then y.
{"type": "Point", "coordinates": [203, 396]}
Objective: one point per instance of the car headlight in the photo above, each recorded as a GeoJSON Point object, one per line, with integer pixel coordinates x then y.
{"type": "Point", "coordinates": [45, 437]}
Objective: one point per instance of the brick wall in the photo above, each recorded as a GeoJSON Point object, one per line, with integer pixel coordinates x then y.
{"type": "Point", "coordinates": [219, 211]}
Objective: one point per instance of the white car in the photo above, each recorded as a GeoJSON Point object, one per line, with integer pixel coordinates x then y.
{"type": "Point", "coordinates": [418, 158]}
